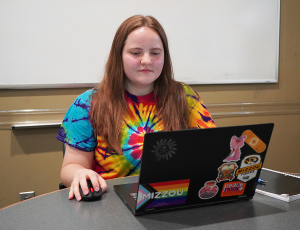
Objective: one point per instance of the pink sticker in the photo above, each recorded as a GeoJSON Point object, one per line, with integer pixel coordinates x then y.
{"type": "Point", "coordinates": [236, 143]}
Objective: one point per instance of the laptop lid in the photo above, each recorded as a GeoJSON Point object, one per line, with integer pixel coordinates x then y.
{"type": "Point", "coordinates": [201, 166]}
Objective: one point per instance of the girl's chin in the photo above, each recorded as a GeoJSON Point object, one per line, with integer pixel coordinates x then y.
{"type": "Point", "coordinates": [146, 80]}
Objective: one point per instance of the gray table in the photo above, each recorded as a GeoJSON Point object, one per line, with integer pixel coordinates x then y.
{"type": "Point", "coordinates": [55, 211]}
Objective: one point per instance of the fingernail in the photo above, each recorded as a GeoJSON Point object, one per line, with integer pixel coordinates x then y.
{"type": "Point", "coordinates": [85, 192]}
{"type": "Point", "coordinates": [70, 197]}
{"type": "Point", "coordinates": [97, 188]}
{"type": "Point", "coordinates": [78, 198]}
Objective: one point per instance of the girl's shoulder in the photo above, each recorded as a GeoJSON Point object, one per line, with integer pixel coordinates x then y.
{"type": "Point", "coordinates": [188, 90]}
{"type": "Point", "coordinates": [83, 101]}
{"type": "Point", "coordinates": [191, 96]}
{"type": "Point", "coordinates": [86, 96]}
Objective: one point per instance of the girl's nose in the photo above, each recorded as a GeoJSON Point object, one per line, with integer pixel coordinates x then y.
{"type": "Point", "coordinates": [146, 59]}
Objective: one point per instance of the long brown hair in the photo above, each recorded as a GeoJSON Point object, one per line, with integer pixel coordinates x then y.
{"type": "Point", "coordinates": [108, 101]}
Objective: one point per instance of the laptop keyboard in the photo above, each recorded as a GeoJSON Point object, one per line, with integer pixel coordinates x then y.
{"type": "Point", "coordinates": [133, 195]}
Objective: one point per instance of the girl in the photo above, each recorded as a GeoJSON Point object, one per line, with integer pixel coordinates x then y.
{"type": "Point", "coordinates": [104, 128]}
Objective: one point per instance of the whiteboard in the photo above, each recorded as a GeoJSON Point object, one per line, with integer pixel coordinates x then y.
{"type": "Point", "coordinates": [65, 43]}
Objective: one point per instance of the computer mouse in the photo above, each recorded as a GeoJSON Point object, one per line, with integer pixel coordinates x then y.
{"type": "Point", "coordinates": [92, 195]}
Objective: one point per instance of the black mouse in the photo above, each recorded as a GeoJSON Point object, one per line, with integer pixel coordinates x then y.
{"type": "Point", "coordinates": [92, 195]}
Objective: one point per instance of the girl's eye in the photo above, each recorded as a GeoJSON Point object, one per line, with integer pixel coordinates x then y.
{"type": "Point", "coordinates": [155, 53]}
{"type": "Point", "coordinates": [135, 53]}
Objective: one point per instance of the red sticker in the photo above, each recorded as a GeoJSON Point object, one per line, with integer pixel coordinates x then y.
{"type": "Point", "coordinates": [209, 190]}
{"type": "Point", "coordinates": [233, 188]}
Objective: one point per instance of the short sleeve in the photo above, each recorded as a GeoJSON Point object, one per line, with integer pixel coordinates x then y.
{"type": "Point", "coordinates": [199, 116]}
{"type": "Point", "coordinates": [76, 129]}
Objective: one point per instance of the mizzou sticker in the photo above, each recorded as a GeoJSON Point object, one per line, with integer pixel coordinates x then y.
{"type": "Point", "coordinates": [233, 188]}
{"type": "Point", "coordinates": [162, 194]}
{"type": "Point", "coordinates": [249, 167]}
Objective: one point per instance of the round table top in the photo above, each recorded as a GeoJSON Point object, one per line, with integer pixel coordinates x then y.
{"type": "Point", "coordinates": [56, 211]}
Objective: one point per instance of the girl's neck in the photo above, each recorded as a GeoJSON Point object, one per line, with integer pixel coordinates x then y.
{"type": "Point", "coordinates": [140, 90]}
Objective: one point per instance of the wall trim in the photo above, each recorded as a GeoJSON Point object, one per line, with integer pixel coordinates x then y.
{"type": "Point", "coordinates": [41, 118]}
{"type": "Point", "coordinates": [253, 109]}
{"type": "Point", "coordinates": [31, 118]}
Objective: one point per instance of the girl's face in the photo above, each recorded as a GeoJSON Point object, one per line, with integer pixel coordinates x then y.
{"type": "Point", "coordinates": [143, 60]}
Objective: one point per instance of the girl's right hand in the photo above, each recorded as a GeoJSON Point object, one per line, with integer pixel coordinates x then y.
{"type": "Point", "coordinates": [80, 178]}
{"type": "Point", "coordinates": [76, 169]}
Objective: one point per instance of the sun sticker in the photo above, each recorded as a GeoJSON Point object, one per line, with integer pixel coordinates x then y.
{"type": "Point", "coordinates": [164, 149]}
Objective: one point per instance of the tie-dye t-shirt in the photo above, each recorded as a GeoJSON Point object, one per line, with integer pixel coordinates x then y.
{"type": "Point", "coordinates": [77, 131]}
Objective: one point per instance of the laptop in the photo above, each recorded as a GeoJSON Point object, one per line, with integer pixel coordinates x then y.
{"type": "Point", "coordinates": [196, 167]}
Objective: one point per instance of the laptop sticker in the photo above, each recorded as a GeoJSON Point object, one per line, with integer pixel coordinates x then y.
{"type": "Point", "coordinates": [226, 171]}
{"type": "Point", "coordinates": [233, 188]}
{"type": "Point", "coordinates": [236, 143]}
{"type": "Point", "coordinates": [254, 142]}
{"type": "Point", "coordinates": [162, 194]}
{"type": "Point", "coordinates": [248, 169]}
{"type": "Point", "coordinates": [209, 190]}
{"type": "Point", "coordinates": [164, 149]}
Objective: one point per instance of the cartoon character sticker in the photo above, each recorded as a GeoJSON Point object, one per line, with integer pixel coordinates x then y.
{"type": "Point", "coordinates": [236, 143]}
{"type": "Point", "coordinates": [254, 142]}
{"type": "Point", "coordinates": [249, 166]}
{"type": "Point", "coordinates": [209, 190]}
{"type": "Point", "coordinates": [227, 171]}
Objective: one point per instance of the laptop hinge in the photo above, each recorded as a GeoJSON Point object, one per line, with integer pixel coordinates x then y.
{"type": "Point", "coordinates": [242, 197]}
{"type": "Point", "coordinates": [150, 210]}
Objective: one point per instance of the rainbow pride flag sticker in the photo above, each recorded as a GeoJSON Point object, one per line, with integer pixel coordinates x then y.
{"type": "Point", "coordinates": [162, 194]}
